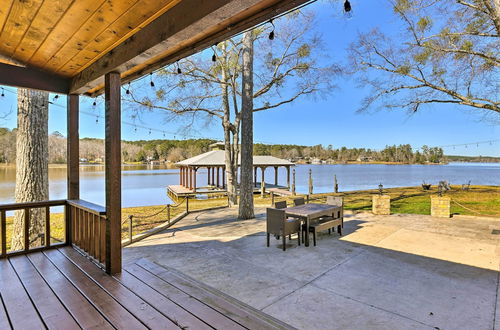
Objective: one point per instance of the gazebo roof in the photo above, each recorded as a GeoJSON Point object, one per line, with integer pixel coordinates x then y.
{"type": "Point", "coordinates": [217, 158]}
{"type": "Point", "coordinates": [68, 46]}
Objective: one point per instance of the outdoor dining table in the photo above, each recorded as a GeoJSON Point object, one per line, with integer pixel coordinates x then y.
{"type": "Point", "coordinates": [311, 211]}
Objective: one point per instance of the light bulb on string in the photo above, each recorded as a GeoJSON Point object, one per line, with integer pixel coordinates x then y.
{"type": "Point", "coordinates": [94, 103]}
{"type": "Point", "coordinates": [97, 120]}
{"type": "Point", "coordinates": [214, 56]}
{"type": "Point", "coordinates": [151, 83]}
{"type": "Point", "coordinates": [179, 71]}
{"type": "Point", "coordinates": [347, 6]}
{"type": "Point", "coordinates": [135, 129]}
{"type": "Point", "coordinates": [55, 97]}
{"type": "Point", "coordinates": [127, 91]}
{"type": "Point", "coordinates": [150, 131]}
{"type": "Point", "coordinates": [272, 34]}
{"type": "Point", "coordinates": [3, 92]}
{"type": "Point", "coordinates": [347, 9]}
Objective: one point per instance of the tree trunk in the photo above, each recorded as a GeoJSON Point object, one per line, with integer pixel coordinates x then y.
{"type": "Point", "coordinates": [32, 157]}
{"type": "Point", "coordinates": [231, 160]}
{"type": "Point", "coordinates": [246, 210]}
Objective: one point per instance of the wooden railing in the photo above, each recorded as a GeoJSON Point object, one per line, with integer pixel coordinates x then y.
{"type": "Point", "coordinates": [88, 229]}
{"type": "Point", "coordinates": [45, 238]}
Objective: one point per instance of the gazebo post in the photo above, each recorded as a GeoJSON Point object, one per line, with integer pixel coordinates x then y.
{"type": "Point", "coordinates": [223, 177]}
{"type": "Point", "coordinates": [208, 176]}
{"type": "Point", "coordinates": [181, 172]}
{"type": "Point", "coordinates": [288, 177]}
{"type": "Point", "coordinates": [263, 182]}
{"type": "Point", "coordinates": [194, 178]}
{"type": "Point", "coordinates": [213, 176]}
{"type": "Point", "coordinates": [218, 176]}
{"type": "Point", "coordinates": [112, 85]}
{"type": "Point", "coordinates": [276, 175]}
{"type": "Point", "coordinates": [255, 176]}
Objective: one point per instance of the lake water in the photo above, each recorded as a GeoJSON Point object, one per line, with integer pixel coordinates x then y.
{"type": "Point", "coordinates": [146, 185]}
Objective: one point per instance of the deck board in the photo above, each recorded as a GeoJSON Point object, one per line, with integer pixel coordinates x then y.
{"type": "Point", "coordinates": [128, 299]}
{"type": "Point", "coordinates": [82, 310]}
{"type": "Point", "coordinates": [204, 312]}
{"type": "Point", "coordinates": [161, 303]}
{"type": "Point", "coordinates": [107, 305]}
{"type": "Point", "coordinates": [231, 309]}
{"type": "Point", "coordinates": [62, 289]}
{"type": "Point", "coordinates": [22, 313]}
{"type": "Point", "coordinates": [46, 302]}
{"type": "Point", "coordinates": [4, 320]}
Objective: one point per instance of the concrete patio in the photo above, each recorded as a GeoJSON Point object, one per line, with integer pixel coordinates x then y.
{"type": "Point", "coordinates": [385, 272]}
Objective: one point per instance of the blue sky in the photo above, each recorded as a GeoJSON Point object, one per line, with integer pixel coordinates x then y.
{"type": "Point", "coordinates": [309, 122]}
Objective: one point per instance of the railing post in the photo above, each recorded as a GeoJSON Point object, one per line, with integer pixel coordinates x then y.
{"type": "Point", "coordinates": [47, 226]}
{"type": "Point", "coordinates": [272, 198]}
{"type": "Point", "coordinates": [130, 221]}
{"type": "Point", "coordinates": [26, 229]}
{"type": "Point", "coordinates": [3, 233]}
{"type": "Point", "coordinates": [187, 204]}
{"type": "Point", "coordinates": [168, 213]}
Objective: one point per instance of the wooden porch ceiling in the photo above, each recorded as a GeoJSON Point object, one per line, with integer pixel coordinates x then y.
{"type": "Point", "coordinates": [72, 44]}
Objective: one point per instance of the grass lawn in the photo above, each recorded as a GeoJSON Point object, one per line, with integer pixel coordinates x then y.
{"type": "Point", "coordinates": [479, 201]}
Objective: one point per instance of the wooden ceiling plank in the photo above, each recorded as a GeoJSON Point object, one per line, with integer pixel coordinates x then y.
{"type": "Point", "coordinates": [197, 40]}
{"type": "Point", "coordinates": [16, 76]}
{"type": "Point", "coordinates": [4, 13]}
{"type": "Point", "coordinates": [175, 25]}
{"type": "Point", "coordinates": [74, 18]}
{"type": "Point", "coordinates": [49, 15]}
{"type": "Point", "coordinates": [19, 20]}
{"type": "Point", "coordinates": [124, 27]}
{"type": "Point", "coordinates": [110, 11]}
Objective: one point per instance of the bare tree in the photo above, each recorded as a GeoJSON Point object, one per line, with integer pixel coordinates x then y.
{"type": "Point", "coordinates": [246, 210]}
{"type": "Point", "coordinates": [285, 69]}
{"type": "Point", "coordinates": [32, 159]}
{"type": "Point", "coordinates": [447, 53]}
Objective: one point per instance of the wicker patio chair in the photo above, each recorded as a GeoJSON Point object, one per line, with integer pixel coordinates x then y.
{"type": "Point", "coordinates": [299, 201]}
{"type": "Point", "coordinates": [280, 205]}
{"type": "Point", "coordinates": [279, 224]}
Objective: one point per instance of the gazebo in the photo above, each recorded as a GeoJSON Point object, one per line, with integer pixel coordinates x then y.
{"type": "Point", "coordinates": [214, 162]}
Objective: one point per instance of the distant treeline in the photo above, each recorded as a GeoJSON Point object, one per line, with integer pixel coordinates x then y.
{"type": "Point", "coordinates": [475, 159]}
{"type": "Point", "coordinates": [92, 150]}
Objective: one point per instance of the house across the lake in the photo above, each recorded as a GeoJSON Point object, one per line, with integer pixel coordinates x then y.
{"type": "Point", "coordinates": [205, 173]}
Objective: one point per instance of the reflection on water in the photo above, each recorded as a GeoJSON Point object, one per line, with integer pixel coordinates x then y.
{"type": "Point", "coordinates": [146, 185]}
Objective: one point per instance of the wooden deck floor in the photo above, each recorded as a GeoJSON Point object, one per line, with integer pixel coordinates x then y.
{"type": "Point", "coordinates": [61, 289]}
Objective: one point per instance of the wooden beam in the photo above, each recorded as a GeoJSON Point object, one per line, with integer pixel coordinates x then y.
{"type": "Point", "coordinates": [17, 76]}
{"type": "Point", "coordinates": [113, 172]}
{"type": "Point", "coordinates": [73, 147]}
{"type": "Point", "coordinates": [181, 28]}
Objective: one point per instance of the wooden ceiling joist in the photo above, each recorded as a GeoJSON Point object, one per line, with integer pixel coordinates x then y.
{"type": "Point", "coordinates": [18, 76]}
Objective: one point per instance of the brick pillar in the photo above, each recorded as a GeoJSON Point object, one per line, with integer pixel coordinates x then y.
{"type": "Point", "coordinates": [440, 206]}
{"type": "Point", "coordinates": [381, 204]}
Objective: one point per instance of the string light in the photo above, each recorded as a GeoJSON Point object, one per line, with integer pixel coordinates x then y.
{"type": "Point", "coordinates": [151, 80]}
{"type": "Point", "coordinates": [55, 97]}
{"type": "Point", "coordinates": [179, 71]}
{"type": "Point", "coordinates": [94, 103]}
{"type": "Point", "coordinates": [97, 120]}
{"type": "Point", "coordinates": [271, 34]}
{"type": "Point", "coordinates": [127, 91]}
{"type": "Point", "coordinates": [347, 6]}
{"type": "Point", "coordinates": [214, 56]}
{"type": "Point", "coordinates": [3, 92]}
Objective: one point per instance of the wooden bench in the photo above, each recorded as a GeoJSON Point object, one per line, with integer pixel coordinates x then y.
{"type": "Point", "coordinates": [323, 224]}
